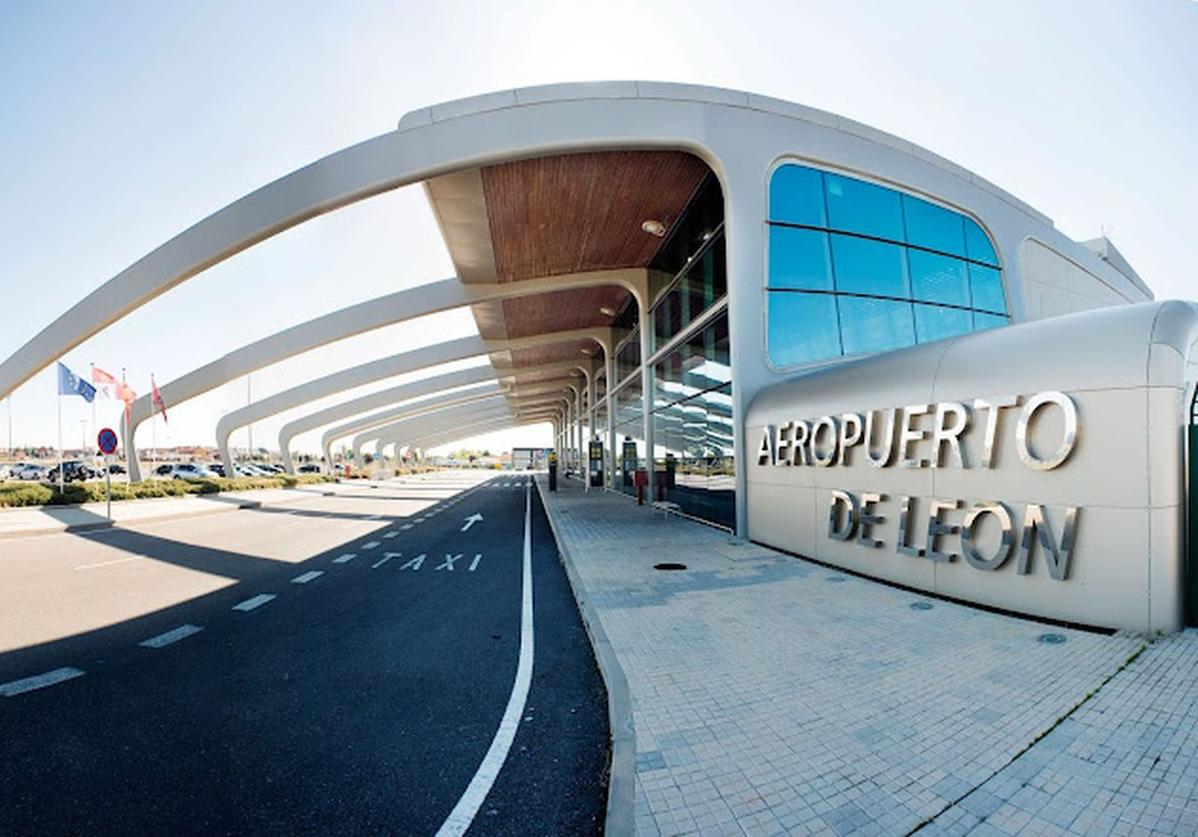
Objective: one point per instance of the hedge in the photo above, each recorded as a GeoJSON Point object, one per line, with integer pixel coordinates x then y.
{"type": "Point", "coordinates": [39, 494]}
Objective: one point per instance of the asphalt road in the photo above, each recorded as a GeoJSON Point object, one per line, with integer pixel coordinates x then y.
{"type": "Point", "coordinates": [321, 693]}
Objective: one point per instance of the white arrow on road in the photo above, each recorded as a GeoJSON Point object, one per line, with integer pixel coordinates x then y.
{"type": "Point", "coordinates": [471, 520]}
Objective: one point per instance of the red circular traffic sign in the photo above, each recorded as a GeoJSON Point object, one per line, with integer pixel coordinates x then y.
{"type": "Point", "coordinates": [107, 441]}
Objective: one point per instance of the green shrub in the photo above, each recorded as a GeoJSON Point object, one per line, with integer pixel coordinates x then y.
{"type": "Point", "coordinates": [13, 494]}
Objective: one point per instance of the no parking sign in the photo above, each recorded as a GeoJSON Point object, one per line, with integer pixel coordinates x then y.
{"type": "Point", "coordinates": [107, 441]}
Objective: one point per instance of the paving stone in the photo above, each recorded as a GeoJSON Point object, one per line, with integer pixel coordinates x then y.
{"type": "Point", "coordinates": [812, 707]}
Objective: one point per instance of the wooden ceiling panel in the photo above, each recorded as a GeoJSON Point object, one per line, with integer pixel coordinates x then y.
{"type": "Point", "coordinates": [554, 353]}
{"type": "Point", "coordinates": [579, 212]}
{"type": "Point", "coordinates": [562, 310]}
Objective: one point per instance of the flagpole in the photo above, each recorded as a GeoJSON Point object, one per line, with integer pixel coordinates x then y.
{"type": "Point", "coordinates": [93, 381]}
{"type": "Point", "coordinates": [60, 468]}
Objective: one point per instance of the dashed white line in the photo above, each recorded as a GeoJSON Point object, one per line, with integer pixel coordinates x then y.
{"type": "Point", "coordinates": [106, 563]}
{"type": "Point", "coordinates": [308, 576]}
{"type": "Point", "coordinates": [370, 545]}
{"type": "Point", "coordinates": [40, 681]}
{"type": "Point", "coordinates": [406, 526]}
{"type": "Point", "coordinates": [390, 534]}
{"type": "Point", "coordinates": [181, 632]}
{"type": "Point", "coordinates": [345, 559]}
{"type": "Point", "coordinates": [253, 602]}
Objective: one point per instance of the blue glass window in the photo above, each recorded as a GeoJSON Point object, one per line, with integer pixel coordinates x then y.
{"type": "Point", "coordinates": [875, 325]}
{"type": "Point", "coordinates": [986, 287]}
{"type": "Point", "coordinates": [870, 269]}
{"type": "Point", "coordinates": [936, 278]}
{"type": "Point", "coordinates": [797, 196]}
{"type": "Point", "coordinates": [934, 226]}
{"type": "Point", "coordinates": [865, 266]}
{"type": "Point", "coordinates": [977, 244]}
{"type": "Point", "coordinates": [860, 207]}
{"type": "Point", "coordinates": [936, 322]}
{"type": "Point", "coordinates": [983, 321]}
{"type": "Point", "coordinates": [799, 259]}
{"type": "Point", "coordinates": [802, 328]}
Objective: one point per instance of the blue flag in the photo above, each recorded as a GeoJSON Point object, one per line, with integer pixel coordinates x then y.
{"type": "Point", "coordinates": [71, 384]}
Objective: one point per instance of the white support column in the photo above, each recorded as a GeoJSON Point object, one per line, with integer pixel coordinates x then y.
{"type": "Point", "coordinates": [610, 361]}
{"type": "Point", "coordinates": [646, 323]}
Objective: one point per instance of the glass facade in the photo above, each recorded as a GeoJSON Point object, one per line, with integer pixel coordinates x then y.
{"type": "Point", "coordinates": [855, 267]}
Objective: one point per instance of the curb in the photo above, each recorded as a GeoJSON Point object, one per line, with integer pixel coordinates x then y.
{"type": "Point", "coordinates": [621, 785]}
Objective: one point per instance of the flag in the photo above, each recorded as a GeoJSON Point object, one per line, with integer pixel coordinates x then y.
{"type": "Point", "coordinates": [106, 383]}
{"type": "Point", "coordinates": [156, 399]}
{"type": "Point", "coordinates": [71, 384]}
{"type": "Point", "coordinates": [126, 394]}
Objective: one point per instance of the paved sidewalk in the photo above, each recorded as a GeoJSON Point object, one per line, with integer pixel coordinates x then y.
{"type": "Point", "coordinates": [773, 695]}
{"type": "Point", "coordinates": [47, 520]}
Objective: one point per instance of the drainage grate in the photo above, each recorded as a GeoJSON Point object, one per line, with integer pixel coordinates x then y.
{"type": "Point", "coordinates": [921, 605]}
{"type": "Point", "coordinates": [1050, 639]}
{"type": "Point", "coordinates": [669, 565]}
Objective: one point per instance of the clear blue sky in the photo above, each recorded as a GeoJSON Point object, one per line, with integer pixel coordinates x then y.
{"type": "Point", "coordinates": [125, 123]}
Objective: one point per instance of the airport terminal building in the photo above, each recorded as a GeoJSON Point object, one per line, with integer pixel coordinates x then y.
{"type": "Point", "coordinates": [812, 333]}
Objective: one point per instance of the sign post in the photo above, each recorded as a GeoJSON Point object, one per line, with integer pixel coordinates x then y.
{"type": "Point", "coordinates": [106, 440]}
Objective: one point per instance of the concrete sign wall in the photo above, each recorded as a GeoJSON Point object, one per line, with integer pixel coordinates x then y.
{"type": "Point", "coordinates": [1036, 468]}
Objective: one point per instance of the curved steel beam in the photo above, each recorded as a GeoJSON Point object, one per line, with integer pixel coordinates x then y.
{"type": "Point", "coordinates": [451, 417]}
{"type": "Point", "coordinates": [357, 319]}
{"type": "Point", "coordinates": [429, 145]}
{"type": "Point", "coordinates": [377, 370]}
{"type": "Point", "coordinates": [363, 423]}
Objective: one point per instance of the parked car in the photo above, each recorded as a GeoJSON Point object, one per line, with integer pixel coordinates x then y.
{"type": "Point", "coordinates": [309, 468]}
{"type": "Point", "coordinates": [116, 468]}
{"type": "Point", "coordinates": [252, 469]}
{"type": "Point", "coordinates": [190, 471]}
{"type": "Point", "coordinates": [73, 470]}
{"type": "Point", "coordinates": [5, 472]}
{"type": "Point", "coordinates": [216, 468]}
{"type": "Point", "coordinates": [28, 471]}
{"type": "Point", "coordinates": [164, 470]}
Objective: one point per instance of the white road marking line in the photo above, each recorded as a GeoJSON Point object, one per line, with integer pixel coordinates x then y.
{"type": "Point", "coordinates": [463, 813]}
{"type": "Point", "coordinates": [374, 517]}
{"type": "Point", "coordinates": [406, 526]}
{"type": "Point", "coordinates": [345, 559]}
{"type": "Point", "coordinates": [308, 576]}
{"type": "Point", "coordinates": [106, 563]}
{"type": "Point", "coordinates": [448, 563]}
{"type": "Point", "coordinates": [387, 556]}
{"type": "Point", "coordinates": [474, 563]}
{"type": "Point", "coordinates": [370, 545]}
{"type": "Point", "coordinates": [416, 563]}
{"type": "Point", "coordinates": [181, 632]}
{"type": "Point", "coordinates": [390, 534]}
{"type": "Point", "coordinates": [40, 681]}
{"type": "Point", "coordinates": [253, 602]}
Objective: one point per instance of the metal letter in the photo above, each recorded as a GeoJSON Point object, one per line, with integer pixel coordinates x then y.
{"type": "Point", "coordinates": [993, 405]}
{"type": "Point", "coordinates": [1036, 526]}
{"type": "Point", "coordinates": [851, 426]}
{"type": "Point", "coordinates": [828, 423]}
{"type": "Point", "coordinates": [906, 514]}
{"type": "Point", "coordinates": [840, 498]}
{"type": "Point", "coordinates": [936, 529]}
{"type": "Point", "coordinates": [866, 518]}
{"type": "Point", "coordinates": [969, 547]}
{"type": "Point", "coordinates": [765, 454]}
{"type": "Point", "coordinates": [882, 460]}
{"type": "Point", "coordinates": [950, 433]}
{"type": "Point", "coordinates": [1068, 439]}
{"type": "Point", "coordinates": [783, 450]}
{"type": "Point", "coordinates": [911, 434]}
{"type": "Point", "coordinates": [802, 432]}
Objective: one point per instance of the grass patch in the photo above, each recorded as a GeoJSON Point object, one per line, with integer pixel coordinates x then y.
{"type": "Point", "coordinates": [15, 494]}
